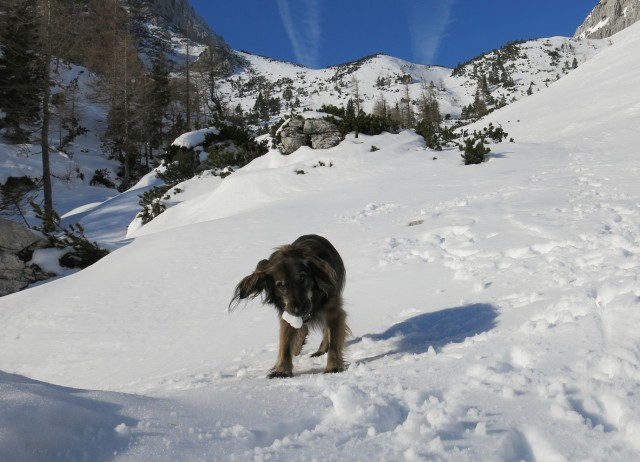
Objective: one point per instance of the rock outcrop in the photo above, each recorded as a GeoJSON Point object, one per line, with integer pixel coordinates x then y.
{"type": "Point", "coordinates": [608, 18]}
{"type": "Point", "coordinates": [306, 131]}
{"type": "Point", "coordinates": [16, 247]}
{"type": "Point", "coordinates": [181, 15]}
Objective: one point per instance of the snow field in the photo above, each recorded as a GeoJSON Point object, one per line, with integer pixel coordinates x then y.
{"type": "Point", "coordinates": [494, 308]}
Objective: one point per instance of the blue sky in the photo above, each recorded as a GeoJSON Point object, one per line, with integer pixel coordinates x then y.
{"type": "Point", "coordinates": [320, 33]}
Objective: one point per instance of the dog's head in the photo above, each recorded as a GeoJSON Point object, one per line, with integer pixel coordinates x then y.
{"type": "Point", "coordinates": [293, 279]}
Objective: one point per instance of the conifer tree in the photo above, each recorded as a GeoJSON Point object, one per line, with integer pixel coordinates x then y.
{"type": "Point", "coordinates": [474, 150]}
{"type": "Point", "coordinates": [160, 98]}
{"type": "Point", "coordinates": [21, 70]}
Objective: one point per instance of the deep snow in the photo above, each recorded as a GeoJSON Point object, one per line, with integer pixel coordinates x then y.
{"type": "Point", "coordinates": [494, 308]}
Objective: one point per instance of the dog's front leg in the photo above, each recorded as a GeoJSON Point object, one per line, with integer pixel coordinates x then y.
{"type": "Point", "coordinates": [284, 366]}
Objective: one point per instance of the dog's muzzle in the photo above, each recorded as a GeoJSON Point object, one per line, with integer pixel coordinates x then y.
{"type": "Point", "coordinates": [305, 315]}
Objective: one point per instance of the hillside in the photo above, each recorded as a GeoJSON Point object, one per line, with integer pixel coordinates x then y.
{"type": "Point", "coordinates": [510, 72]}
{"type": "Point", "coordinates": [532, 63]}
{"type": "Point", "coordinates": [494, 308]}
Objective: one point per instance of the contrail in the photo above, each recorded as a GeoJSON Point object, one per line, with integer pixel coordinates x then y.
{"type": "Point", "coordinates": [303, 29]}
{"type": "Point", "coordinates": [428, 22]}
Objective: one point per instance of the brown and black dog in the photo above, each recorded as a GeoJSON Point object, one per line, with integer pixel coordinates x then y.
{"type": "Point", "coordinates": [304, 279]}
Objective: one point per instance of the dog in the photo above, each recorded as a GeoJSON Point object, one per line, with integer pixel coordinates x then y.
{"type": "Point", "coordinates": [303, 279]}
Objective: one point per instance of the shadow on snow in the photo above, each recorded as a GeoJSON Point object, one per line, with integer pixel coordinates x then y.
{"type": "Point", "coordinates": [415, 335]}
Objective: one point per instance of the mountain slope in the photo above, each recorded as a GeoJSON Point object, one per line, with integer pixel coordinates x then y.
{"type": "Point", "coordinates": [501, 325]}
{"type": "Point", "coordinates": [532, 64]}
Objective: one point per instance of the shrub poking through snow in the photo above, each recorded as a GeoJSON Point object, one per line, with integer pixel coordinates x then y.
{"type": "Point", "coordinates": [152, 203]}
{"type": "Point", "coordinates": [80, 251]}
{"type": "Point", "coordinates": [102, 176]}
{"type": "Point", "coordinates": [474, 147]}
{"type": "Point", "coordinates": [474, 151]}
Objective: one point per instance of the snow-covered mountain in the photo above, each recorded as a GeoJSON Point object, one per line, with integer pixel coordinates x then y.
{"type": "Point", "coordinates": [494, 308]}
{"type": "Point", "coordinates": [518, 68]}
{"type": "Point", "coordinates": [609, 17]}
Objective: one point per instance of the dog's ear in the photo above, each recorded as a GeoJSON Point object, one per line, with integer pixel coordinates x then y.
{"type": "Point", "coordinates": [323, 273]}
{"type": "Point", "coordinates": [251, 286]}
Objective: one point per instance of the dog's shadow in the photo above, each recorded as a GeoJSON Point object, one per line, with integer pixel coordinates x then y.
{"type": "Point", "coordinates": [417, 334]}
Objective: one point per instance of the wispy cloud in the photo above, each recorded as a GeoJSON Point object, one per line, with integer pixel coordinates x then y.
{"type": "Point", "coordinates": [428, 23]}
{"type": "Point", "coordinates": [301, 20]}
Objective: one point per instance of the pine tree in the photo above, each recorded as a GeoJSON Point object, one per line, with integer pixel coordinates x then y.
{"type": "Point", "coordinates": [160, 96]}
{"type": "Point", "coordinates": [21, 70]}
{"type": "Point", "coordinates": [429, 125]}
{"type": "Point", "coordinates": [474, 151]}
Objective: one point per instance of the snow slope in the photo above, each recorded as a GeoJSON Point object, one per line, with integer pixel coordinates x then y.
{"type": "Point", "coordinates": [494, 308]}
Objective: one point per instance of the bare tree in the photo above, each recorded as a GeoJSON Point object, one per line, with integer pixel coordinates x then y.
{"type": "Point", "coordinates": [188, 83]}
{"type": "Point", "coordinates": [407, 110]}
{"type": "Point", "coordinates": [357, 101]}
{"type": "Point", "coordinates": [46, 115]}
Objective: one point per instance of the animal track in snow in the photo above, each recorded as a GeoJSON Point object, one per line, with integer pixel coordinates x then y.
{"type": "Point", "coordinates": [370, 210]}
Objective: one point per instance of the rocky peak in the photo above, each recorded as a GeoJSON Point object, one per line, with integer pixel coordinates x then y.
{"type": "Point", "coordinates": [178, 15]}
{"type": "Point", "coordinates": [608, 18]}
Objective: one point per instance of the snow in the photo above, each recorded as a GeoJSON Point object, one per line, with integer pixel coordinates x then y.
{"type": "Point", "coordinates": [294, 321]}
{"type": "Point", "coordinates": [494, 308]}
{"type": "Point", "coordinates": [194, 138]}
{"type": "Point", "coordinates": [335, 85]}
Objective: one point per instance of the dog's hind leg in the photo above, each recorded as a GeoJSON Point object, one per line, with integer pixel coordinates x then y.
{"type": "Point", "coordinates": [324, 344]}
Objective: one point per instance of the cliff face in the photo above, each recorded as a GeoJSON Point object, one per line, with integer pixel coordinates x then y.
{"type": "Point", "coordinates": [608, 18]}
{"type": "Point", "coordinates": [180, 15]}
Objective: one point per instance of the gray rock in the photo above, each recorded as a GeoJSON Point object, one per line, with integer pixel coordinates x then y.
{"type": "Point", "coordinates": [14, 275]}
{"type": "Point", "coordinates": [317, 133]}
{"type": "Point", "coordinates": [611, 16]}
{"type": "Point", "coordinates": [319, 127]}
{"type": "Point", "coordinates": [15, 238]}
{"type": "Point", "coordinates": [17, 241]}
{"type": "Point", "coordinates": [326, 140]}
{"type": "Point", "coordinates": [296, 122]}
{"type": "Point", "coordinates": [292, 139]}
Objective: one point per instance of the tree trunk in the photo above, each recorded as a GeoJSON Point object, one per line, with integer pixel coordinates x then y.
{"type": "Point", "coordinates": [188, 90]}
{"type": "Point", "coordinates": [46, 117]}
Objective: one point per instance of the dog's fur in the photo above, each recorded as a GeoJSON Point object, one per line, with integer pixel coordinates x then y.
{"type": "Point", "coordinates": [305, 279]}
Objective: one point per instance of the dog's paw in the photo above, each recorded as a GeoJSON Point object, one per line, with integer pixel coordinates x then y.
{"type": "Point", "coordinates": [318, 354]}
{"type": "Point", "coordinates": [279, 375]}
{"type": "Point", "coordinates": [333, 370]}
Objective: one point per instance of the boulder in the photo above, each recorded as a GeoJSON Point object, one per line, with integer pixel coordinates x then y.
{"type": "Point", "coordinates": [292, 139]}
{"type": "Point", "coordinates": [316, 133]}
{"type": "Point", "coordinates": [326, 140]}
{"type": "Point", "coordinates": [17, 244]}
{"type": "Point", "coordinates": [15, 237]}
{"type": "Point", "coordinates": [15, 275]}
{"type": "Point", "coordinates": [318, 127]}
